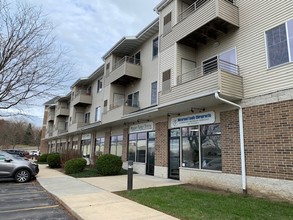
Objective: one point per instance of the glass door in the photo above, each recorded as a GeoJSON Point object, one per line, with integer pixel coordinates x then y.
{"type": "Point", "coordinates": [150, 164]}
{"type": "Point", "coordinates": [174, 153]}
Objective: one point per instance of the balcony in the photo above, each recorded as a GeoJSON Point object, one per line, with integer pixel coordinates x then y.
{"type": "Point", "coordinates": [201, 21]}
{"type": "Point", "coordinates": [51, 116]}
{"type": "Point", "coordinates": [212, 77]}
{"type": "Point", "coordinates": [62, 111]}
{"type": "Point", "coordinates": [119, 109]}
{"type": "Point", "coordinates": [82, 98]}
{"type": "Point", "coordinates": [125, 71]}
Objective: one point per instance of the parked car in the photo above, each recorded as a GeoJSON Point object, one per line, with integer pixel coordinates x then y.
{"type": "Point", "coordinates": [21, 153]}
{"type": "Point", "coordinates": [35, 153]}
{"type": "Point", "coordinates": [13, 167]}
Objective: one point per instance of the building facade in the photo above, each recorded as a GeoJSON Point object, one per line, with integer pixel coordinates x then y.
{"type": "Point", "coordinates": [203, 94]}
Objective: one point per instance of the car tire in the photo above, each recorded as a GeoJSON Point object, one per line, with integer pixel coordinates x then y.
{"type": "Point", "coordinates": [22, 176]}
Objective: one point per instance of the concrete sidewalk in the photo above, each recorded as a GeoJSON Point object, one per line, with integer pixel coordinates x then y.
{"type": "Point", "coordinates": [91, 198]}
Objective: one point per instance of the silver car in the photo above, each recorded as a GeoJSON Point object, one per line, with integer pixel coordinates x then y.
{"type": "Point", "coordinates": [16, 168]}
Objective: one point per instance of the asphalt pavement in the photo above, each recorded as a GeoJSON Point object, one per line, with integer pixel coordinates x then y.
{"type": "Point", "coordinates": [23, 201]}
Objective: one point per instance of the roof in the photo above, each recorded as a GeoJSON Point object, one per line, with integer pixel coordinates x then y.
{"type": "Point", "coordinates": [162, 5]}
{"type": "Point", "coordinates": [52, 101]}
{"type": "Point", "coordinates": [127, 45]}
{"type": "Point", "coordinates": [88, 80]}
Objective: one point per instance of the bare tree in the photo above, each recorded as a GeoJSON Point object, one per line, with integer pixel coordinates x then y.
{"type": "Point", "coordinates": [31, 65]}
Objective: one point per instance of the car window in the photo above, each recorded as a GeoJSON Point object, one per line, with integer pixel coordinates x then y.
{"type": "Point", "coordinates": [2, 157]}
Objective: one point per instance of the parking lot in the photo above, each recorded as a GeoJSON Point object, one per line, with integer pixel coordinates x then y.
{"type": "Point", "coordinates": [29, 201]}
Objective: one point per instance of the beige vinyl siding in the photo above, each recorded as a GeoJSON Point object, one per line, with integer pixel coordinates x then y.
{"type": "Point", "coordinates": [231, 85]}
{"type": "Point", "coordinates": [167, 61]}
{"type": "Point", "coordinates": [184, 52]}
{"type": "Point", "coordinates": [209, 11]}
{"type": "Point", "coordinates": [167, 10]}
{"type": "Point", "coordinates": [256, 17]}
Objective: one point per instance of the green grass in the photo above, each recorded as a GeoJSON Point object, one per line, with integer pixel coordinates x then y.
{"type": "Point", "coordinates": [188, 202]}
{"type": "Point", "coordinates": [92, 172]}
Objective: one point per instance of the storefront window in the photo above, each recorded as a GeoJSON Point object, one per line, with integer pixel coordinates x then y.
{"type": "Point", "coordinates": [137, 147]}
{"type": "Point", "coordinates": [116, 145]}
{"type": "Point", "coordinates": [100, 146]}
{"type": "Point", "coordinates": [211, 147]}
{"type": "Point", "coordinates": [190, 147]}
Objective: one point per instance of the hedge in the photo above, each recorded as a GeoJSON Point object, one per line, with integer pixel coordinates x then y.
{"type": "Point", "coordinates": [108, 165]}
{"type": "Point", "coordinates": [75, 165]}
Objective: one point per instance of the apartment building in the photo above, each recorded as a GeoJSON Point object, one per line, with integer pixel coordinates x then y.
{"type": "Point", "coordinates": [204, 94]}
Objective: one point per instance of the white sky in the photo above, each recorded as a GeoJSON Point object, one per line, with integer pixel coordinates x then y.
{"type": "Point", "coordinates": [87, 29]}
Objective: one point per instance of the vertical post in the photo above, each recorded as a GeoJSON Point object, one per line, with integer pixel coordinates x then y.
{"type": "Point", "coordinates": [130, 175]}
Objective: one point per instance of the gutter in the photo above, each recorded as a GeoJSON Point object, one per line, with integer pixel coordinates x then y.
{"type": "Point", "coordinates": [243, 170]}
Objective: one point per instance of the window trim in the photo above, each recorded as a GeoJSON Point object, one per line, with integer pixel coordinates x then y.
{"type": "Point", "coordinates": [157, 54]}
{"type": "Point", "coordinates": [290, 58]}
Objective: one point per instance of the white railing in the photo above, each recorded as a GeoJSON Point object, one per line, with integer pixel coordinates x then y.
{"type": "Point", "coordinates": [193, 7]}
{"type": "Point", "coordinates": [122, 102]}
{"type": "Point", "coordinates": [125, 59]}
{"type": "Point", "coordinates": [208, 68]}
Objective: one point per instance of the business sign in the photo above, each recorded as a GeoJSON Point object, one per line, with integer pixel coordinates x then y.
{"type": "Point", "coordinates": [148, 126]}
{"type": "Point", "coordinates": [86, 136]}
{"type": "Point", "coordinates": [191, 120]}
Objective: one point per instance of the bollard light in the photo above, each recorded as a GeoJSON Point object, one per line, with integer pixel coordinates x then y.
{"type": "Point", "coordinates": [130, 175]}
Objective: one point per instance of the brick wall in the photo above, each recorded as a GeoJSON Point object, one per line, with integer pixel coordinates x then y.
{"type": "Point", "coordinates": [124, 144]}
{"type": "Point", "coordinates": [268, 138]}
{"type": "Point", "coordinates": [107, 142]}
{"type": "Point", "coordinates": [230, 142]}
{"type": "Point", "coordinates": [161, 146]}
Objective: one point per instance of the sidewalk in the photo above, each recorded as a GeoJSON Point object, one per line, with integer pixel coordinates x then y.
{"type": "Point", "coordinates": [91, 198]}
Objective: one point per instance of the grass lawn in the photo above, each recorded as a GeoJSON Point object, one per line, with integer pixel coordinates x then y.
{"type": "Point", "coordinates": [189, 202]}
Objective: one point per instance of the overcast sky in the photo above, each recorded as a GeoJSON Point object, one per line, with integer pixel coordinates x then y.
{"type": "Point", "coordinates": [87, 29]}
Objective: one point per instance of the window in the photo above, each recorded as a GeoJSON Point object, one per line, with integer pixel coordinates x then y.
{"type": "Point", "coordinates": [166, 85]}
{"type": "Point", "coordinates": [133, 99]}
{"type": "Point", "coordinates": [155, 47]}
{"type": "Point", "coordinates": [201, 147]}
{"type": "Point", "coordinates": [279, 42]}
{"type": "Point", "coordinates": [87, 117]}
{"type": "Point", "coordinates": [98, 114]}
{"type": "Point", "coordinates": [89, 90]}
{"type": "Point", "coordinates": [99, 85]}
{"type": "Point", "coordinates": [105, 103]}
{"type": "Point", "coordinates": [137, 147]}
{"type": "Point", "coordinates": [167, 24]}
{"type": "Point", "coordinates": [116, 145]}
{"type": "Point", "coordinates": [154, 93]}
{"type": "Point", "coordinates": [137, 58]}
{"type": "Point", "coordinates": [100, 146]}
{"type": "Point", "coordinates": [107, 68]}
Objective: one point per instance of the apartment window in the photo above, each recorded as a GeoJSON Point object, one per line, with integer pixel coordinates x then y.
{"type": "Point", "coordinates": [89, 90]}
{"type": "Point", "coordinates": [105, 103]}
{"type": "Point", "coordinates": [133, 99]}
{"type": "Point", "coordinates": [279, 42]}
{"type": "Point", "coordinates": [166, 82]}
{"type": "Point", "coordinates": [98, 114]}
{"type": "Point", "coordinates": [167, 24]}
{"type": "Point", "coordinates": [99, 85]}
{"type": "Point", "coordinates": [100, 146]}
{"type": "Point", "coordinates": [116, 145]}
{"type": "Point", "coordinates": [137, 58]}
{"type": "Point", "coordinates": [155, 47]}
{"type": "Point", "coordinates": [87, 117]}
{"type": "Point", "coordinates": [154, 93]}
{"type": "Point", "coordinates": [107, 68]}
{"type": "Point", "coordinates": [137, 147]}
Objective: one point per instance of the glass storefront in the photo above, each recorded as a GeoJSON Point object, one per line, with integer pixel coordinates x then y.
{"type": "Point", "coordinates": [100, 146]}
{"type": "Point", "coordinates": [199, 146]}
{"type": "Point", "coordinates": [116, 145]}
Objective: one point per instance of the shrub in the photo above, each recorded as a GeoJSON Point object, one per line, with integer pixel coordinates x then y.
{"type": "Point", "coordinates": [75, 165]}
{"type": "Point", "coordinates": [108, 165]}
{"type": "Point", "coordinates": [68, 155]}
{"type": "Point", "coordinates": [43, 158]}
{"type": "Point", "coordinates": [54, 160]}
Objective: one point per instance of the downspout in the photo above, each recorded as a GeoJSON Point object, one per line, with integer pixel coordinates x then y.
{"type": "Point", "coordinates": [243, 171]}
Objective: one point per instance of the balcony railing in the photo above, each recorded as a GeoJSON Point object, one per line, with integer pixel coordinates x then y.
{"type": "Point", "coordinates": [122, 102]}
{"type": "Point", "coordinates": [193, 7]}
{"type": "Point", "coordinates": [126, 59]}
{"type": "Point", "coordinates": [208, 68]}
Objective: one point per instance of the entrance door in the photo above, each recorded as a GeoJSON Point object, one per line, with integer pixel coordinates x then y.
{"type": "Point", "coordinates": [174, 154]}
{"type": "Point", "coordinates": [150, 164]}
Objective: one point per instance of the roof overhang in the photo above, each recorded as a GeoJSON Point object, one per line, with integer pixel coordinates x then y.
{"type": "Point", "coordinates": [88, 80]}
{"type": "Point", "coordinates": [162, 5]}
{"type": "Point", "coordinates": [127, 45]}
